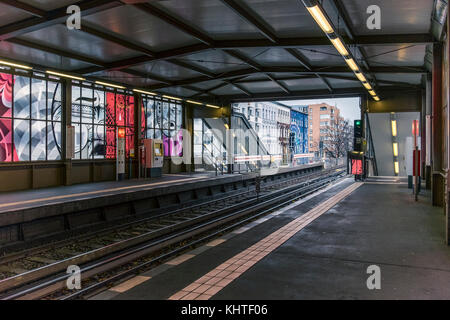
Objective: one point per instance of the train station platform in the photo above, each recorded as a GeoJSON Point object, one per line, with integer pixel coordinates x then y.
{"type": "Point", "coordinates": [30, 214]}
{"type": "Point", "coordinates": [317, 248]}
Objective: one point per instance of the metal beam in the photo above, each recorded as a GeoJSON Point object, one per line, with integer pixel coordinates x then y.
{"type": "Point", "coordinates": [395, 83]}
{"type": "Point", "coordinates": [25, 7]}
{"type": "Point", "coordinates": [52, 17]}
{"type": "Point", "coordinates": [162, 55]}
{"type": "Point", "coordinates": [372, 40]}
{"type": "Point", "coordinates": [248, 93]}
{"type": "Point", "coordinates": [308, 94]}
{"type": "Point", "coordinates": [251, 18]}
{"type": "Point", "coordinates": [299, 77]}
{"type": "Point", "coordinates": [82, 58]}
{"type": "Point", "coordinates": [147, 7]}
{"type": "Point", "coordinates": [59, 52]}
{"type": "Point", "coordinates": [207, 91]}
{"type": "Point", "coordinates": [189, 66]}
{"type": "Point", "coordinates": [236, 54]}
{"type": "Point", "coordinates": [115, 39]}
{"type": "Point", "coordinates": [256, 66]}
{"type": "Point", "coordinates": [220, 85]}
{"type": "Point", "coordinates": [304, 61]}
{"type": "Point", "coordinates": [253, 43]}
{"type": "Point", "coordinates": [301, 71]}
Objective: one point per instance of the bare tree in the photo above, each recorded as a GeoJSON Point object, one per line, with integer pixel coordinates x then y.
{"type": "Point", "coordinates": [338, 139]}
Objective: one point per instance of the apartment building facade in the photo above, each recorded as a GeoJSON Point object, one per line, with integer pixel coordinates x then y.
{"type": "Point", "coordinates": [321, 117]}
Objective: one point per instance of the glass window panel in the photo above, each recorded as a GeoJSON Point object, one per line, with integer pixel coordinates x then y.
{"type": "Point", "coordinates": [87, 103]}
{"type": "Point", "coordinates": [53, 141]}
{"type": "Point", "coordinates": [99, 142]}
{"type": "Point", "coordinates": [198, 137]}
{"type": "Point", "coordinates": [110, 109]}
{"type": "Point", "coordinates": [173, 117]}
{"type": "Point", "coordinates": [165, 116]}
{"type": "Point", "coordinates": [22, 139]}
{"type": "Point", "coordinates": [38, 140]}
{"type": "Point", "coordinates": [5, 95]}
{"type": "Point", "coordinates": [157, 134]}
{"type": "Point", "coordinates": [143, 120]}
{"type": "Point", "coordinates": [6, 150]}
{"type": "Point", "coordinates": [120, 110]}
{"type": "Point", "coordinates": [150, 113]}
{"type": "Point", "coordinates": [177, 144]}
{"type": "Point", "coordinates": [168, 140]}
{"type": "Point", "coordinates": [179, 117]}
{"type": "Point", "coordinates": [54, 101]}
{"type": "Point", "coordinates": [99, 107]}
{"type": "Point", "coordinates": [130, 110]}
{"type": "Point", "coordinates": [21, 97]}
{"type": "Point", "coordinates": [198, 124]}
{"type": "Point", "coordinates": [110, 142]}
{"type": "Point", "coordinates": [76, 104]}
{"type": "Point", "coordinates": [129, 142]}
{"type": "Point", "coordinates": [158, 114]}
{"type": "Point", "coordinates": [150, 133]}
{"type": "Point", "coordinates": [38, 99]}
{"type": "Point", "coordinates": [77, 140]}
{"type": "Point", "coordinates": [86, 141]}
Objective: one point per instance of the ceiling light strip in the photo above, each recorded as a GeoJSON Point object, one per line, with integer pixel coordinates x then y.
{"type": "Point", "coordinates": [323, 21]}
{"type": "Point", "coordinates": [194, 102]}
{"type": "Point", "coordinates": [65, 75]}
{"type": "Point", "coordinates": [110, 85]}
{"type": "Point", "coordinates": [145, 92]}
{"type": "Point", "coordinates": [15, 65]}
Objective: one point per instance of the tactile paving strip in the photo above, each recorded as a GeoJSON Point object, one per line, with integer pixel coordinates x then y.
{"type": "Point", "coordinates": [214, 281]}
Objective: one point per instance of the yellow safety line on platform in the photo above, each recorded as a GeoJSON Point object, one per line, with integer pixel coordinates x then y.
{"type": "Point", "coordinates": [129, 284]}
{"type": "Point", "coordinates": [214, 281]}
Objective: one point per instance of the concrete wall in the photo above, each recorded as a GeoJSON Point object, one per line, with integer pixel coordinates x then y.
{"type": "Point", "coordinates": [382, 139]}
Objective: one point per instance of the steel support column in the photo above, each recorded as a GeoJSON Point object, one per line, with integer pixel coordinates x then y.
{"type": "Point", "coordinates": [66, 121]}
{"type": "Point", "coordinates": [437, 189]}
{"type": "Point", "coordinates": [188, 142]}
{"type": "Point", "coordinates": [138, 104]}
{"type": "Point", "coordinates": [428, 128]}
{"type": "Point", "coordinates": [423, 137]}
{"type": "Point", "coordinates": [446, 132]}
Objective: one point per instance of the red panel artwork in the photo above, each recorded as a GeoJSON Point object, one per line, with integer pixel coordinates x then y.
{"type": "Point", "coordinates": [110, 126]}
{"type": "Point", "coordinates": [129, 103]}
{"type": "Point", "coordinates": [357, 167]}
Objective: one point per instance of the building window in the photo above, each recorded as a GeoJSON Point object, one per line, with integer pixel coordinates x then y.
{"type": "Point", "coordinates": [323, 108]}
{"type": "Point", "coordinates": [30, 118]}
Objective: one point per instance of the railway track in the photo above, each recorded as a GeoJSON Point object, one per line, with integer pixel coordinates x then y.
{"type": "Point", "coordinates": [117, 252]}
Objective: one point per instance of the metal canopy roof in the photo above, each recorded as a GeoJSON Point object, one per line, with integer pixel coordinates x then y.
{"type": "Point", "coordinates": [222, 49]}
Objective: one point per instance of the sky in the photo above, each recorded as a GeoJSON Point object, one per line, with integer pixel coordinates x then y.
{"type": "Point", "coordinates": [349, 106]}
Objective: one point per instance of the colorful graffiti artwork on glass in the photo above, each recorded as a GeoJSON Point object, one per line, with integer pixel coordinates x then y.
{"type": "Point", "coordinates": [6, 88]}
{"type": "Point", "coordinates": [299, 126]}
{"type": "Point", "coordinates": [163, 120]}
{"type": "Point", "coordinates": [30, 119]}
{"type": "Point", "coordinates": [110, 125]}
